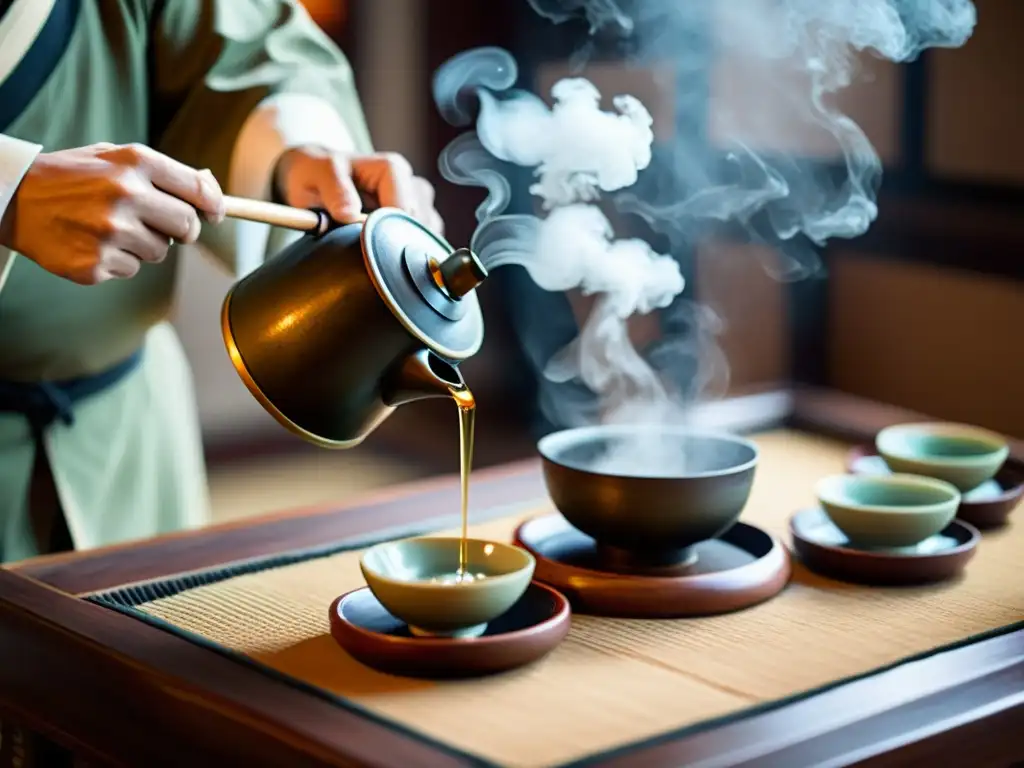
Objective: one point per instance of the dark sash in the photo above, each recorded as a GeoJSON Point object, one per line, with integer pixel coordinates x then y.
{"type": "Point", "coordinates": [45, 402]}
{"type": "Point", "coordinates": [39, 61]}
{"type": "Point", "coordinates": [42, 404]}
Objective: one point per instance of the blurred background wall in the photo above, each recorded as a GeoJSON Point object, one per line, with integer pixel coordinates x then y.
{"type": "Point", "coordinates": [925, 311]}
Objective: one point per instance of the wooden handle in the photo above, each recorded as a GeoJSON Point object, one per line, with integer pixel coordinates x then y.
{"type": "Point", "coordinates": [279, 215]}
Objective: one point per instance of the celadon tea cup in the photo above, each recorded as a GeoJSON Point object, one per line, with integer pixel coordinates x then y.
{"type": "Point", "coordinates": [957, 453]}
{"type": "Point", "coordinates": [416, 580]}
{"type": "Point", "coordinates": [888, 511]}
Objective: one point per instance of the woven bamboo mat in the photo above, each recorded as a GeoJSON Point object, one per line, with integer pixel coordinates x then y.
{"type": "Point", "coordinates": [614, 682]}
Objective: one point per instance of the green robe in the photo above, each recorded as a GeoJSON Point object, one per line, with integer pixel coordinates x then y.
{"type": "Point", "coordinates": [182, 76]}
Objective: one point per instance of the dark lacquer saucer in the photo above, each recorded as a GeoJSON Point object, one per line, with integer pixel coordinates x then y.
{"type": "Point", "coordinates": [532, 628]}
{"type": "Point", "coordinates": [825, 549]}
{"type": "Point", "coordinates": [741, 568]}
{"type": "Point", "coordinates": [985, 507]}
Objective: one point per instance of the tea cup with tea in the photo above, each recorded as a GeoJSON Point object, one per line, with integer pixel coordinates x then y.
{"type": "Point", "coordinates": [963, 455]}
{"type": "Point", "coordinates": [888, 511]}
{"type": "Point", "coordinates": [439, 588]}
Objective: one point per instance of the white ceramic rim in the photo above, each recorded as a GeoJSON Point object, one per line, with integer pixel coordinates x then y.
{"type": "Point", "coordinates": [530, 562]}
{"type": "Point", "coordinates": [827, 487]}
{"type": "Point", "coordinates": [998, 443]}
{"type": "Point", "coordinates": [551, 444]}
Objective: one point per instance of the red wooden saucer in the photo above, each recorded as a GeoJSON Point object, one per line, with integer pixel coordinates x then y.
{"type": "Point", "coordinates": [824, 549]}
{"type": "Point", "coordinates": [741, 568]}
{"type": "Point", "coordinates": [987, 506]}
{"type": "Point", "coordinates": [529, 630]}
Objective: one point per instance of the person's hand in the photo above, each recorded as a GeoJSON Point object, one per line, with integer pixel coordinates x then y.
{"type": "Point", "coordinates": [314, 177]}
{"type": "Point", "coordinates": [96, 213]}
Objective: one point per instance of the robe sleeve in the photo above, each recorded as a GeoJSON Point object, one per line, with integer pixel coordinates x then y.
{"type": "Point", "coordinates": [233, 84]}
{"type": "Point", "coordinates": [15, 158]}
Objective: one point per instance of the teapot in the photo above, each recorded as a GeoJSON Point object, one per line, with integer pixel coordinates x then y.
{"type": "Point", "coordinates": [351, 321]}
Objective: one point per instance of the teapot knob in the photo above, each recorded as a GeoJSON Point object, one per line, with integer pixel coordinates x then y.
{"type": "Point", "coordinates": [461, 273]}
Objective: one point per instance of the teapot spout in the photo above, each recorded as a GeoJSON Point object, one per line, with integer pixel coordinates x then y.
{"type": "Point", "coordinates": [419, 376]}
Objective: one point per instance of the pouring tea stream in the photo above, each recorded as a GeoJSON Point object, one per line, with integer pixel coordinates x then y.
{"type": "Point", "coordinates": [353, 320]}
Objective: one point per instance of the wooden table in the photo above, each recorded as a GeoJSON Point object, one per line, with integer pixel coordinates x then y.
{"type": "Point", "coordinates": [117, 691]}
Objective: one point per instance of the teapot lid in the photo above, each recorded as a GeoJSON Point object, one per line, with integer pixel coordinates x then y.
{"type": "Point", "coordinates": [427, 284]}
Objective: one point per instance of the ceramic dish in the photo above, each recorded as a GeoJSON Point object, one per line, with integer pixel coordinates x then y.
{"type": "Point", "coordinates": [956, 453]}
{"type": "Point", "coordinates": [529, 630]}
{"type": "Point", "coordinates": [985, 507]}
{"type": "Point", "coordinates": [824, 549]}
{"type": "Point", "coordinates": [416, 580]}
{"type": "Point", "coordinates": [886, 511]}
{"type": "Point", "coordinates": [647, 494]}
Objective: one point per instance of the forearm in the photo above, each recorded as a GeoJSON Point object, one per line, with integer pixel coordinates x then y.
{"type": "Point", "coordinates": [276, 82]}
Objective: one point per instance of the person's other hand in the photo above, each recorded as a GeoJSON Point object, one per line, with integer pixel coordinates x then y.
{"type": "Point", "coordinates": [314, 177]}
{"type": "Point", "coordinates": [96, 213]}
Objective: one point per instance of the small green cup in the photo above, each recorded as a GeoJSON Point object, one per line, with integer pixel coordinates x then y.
{"type": "Point", "coordinates": [414, 579]}
{"type": "Point", "coordinates": [888, 511]}
{"type": "Point", "coordinates": [959, 454]}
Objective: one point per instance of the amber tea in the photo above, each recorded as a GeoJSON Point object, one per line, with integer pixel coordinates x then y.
{"type": "Point", "coordinates": [467, 421]}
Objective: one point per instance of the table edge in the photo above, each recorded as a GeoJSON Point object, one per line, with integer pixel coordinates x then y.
{"type": "Point", "coordinates": [67, 646]}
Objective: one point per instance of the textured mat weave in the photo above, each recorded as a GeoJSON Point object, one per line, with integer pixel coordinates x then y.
{"type": "Point", "coordinates": [614, 682]}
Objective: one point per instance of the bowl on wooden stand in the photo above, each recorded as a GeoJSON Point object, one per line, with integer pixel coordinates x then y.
{"type": "Point", "coordinates": [647, 523]}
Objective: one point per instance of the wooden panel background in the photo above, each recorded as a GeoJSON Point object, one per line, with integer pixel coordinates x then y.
{"type": "Point", "coordinates": [943, 341]}
{"type": "Point", "coordinates": [975, 109]}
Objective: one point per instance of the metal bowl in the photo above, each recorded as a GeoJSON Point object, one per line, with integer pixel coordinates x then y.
{"type": "Point", "coordinates": [647, 494]}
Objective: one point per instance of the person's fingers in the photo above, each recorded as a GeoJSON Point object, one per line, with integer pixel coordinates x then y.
{"type": "Point", "coordinates": [434, 222]}
{"type": "Point", "coordinates": [143, 243]}
{"type": "Point", "coordinates": [198, 188]}
{"type": "Point", "coordinates": [389, 177]}
{"type": "Point", "coordinates": [338, 191]}
{"type": "Point", "coordinates": [424, 208]}
{"type": "Point", "coordinates": [115, 262]}
{"type": "Point", "coordinates": [424, 192]}
{"type": "Point", "coordinates": [218, 208]}
{"type": "Point", "coordinates": [169, 216]}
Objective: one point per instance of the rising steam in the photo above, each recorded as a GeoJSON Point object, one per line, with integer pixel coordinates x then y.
{"type": "Point", "coordinates": [577, 152]}
{"type": "Point", "coordinates": [800, 51]}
